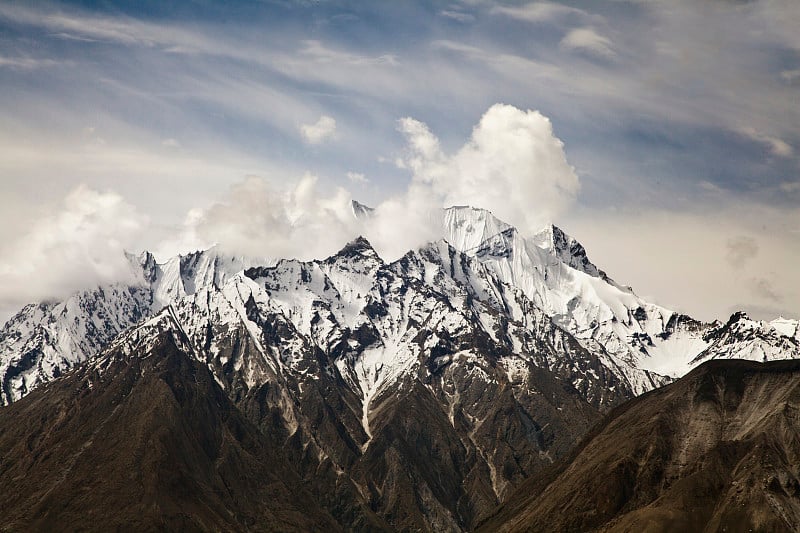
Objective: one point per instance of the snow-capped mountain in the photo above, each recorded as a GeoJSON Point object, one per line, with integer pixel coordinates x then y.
{"type": "Point", "coordinates": [44, 340]}
{"type": "Point", "coordinates": [641, 343]}
{"type": "Point", "coordinates": [743, 338]}
{"type": "Point", "coordinates": [451, 374]}
{"type": "Point", "coordinates": [407, 376]}
{"type": "Point", "coordinates": [554, 271]}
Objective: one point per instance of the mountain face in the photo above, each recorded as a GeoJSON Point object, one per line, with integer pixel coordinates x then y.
{"type": "Point", "coordinates": [409, 376]}
{"type": "Point", "coordinates": [44, 340]}
{"type": "Point", "coordinates": [412, 395]}
{"type": "Point", "coordinates": [145, 440]}
{"type": "Point", "coordinates": [743, 338]}
{"type": "Point", "coordinates": [716, 451]}
{"type": "Point", "coordinates": [432, 443]}
{"type": "Point", "coordinates": [642, 344]}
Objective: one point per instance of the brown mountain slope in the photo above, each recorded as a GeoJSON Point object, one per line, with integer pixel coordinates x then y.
{"type": "Point", "coordinates": [149, 443]}
{"type": "Point", "coordinates": [719, 450]}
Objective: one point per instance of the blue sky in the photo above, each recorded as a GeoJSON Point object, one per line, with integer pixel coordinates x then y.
{"type": "Point", "coordinates": [681, 120]}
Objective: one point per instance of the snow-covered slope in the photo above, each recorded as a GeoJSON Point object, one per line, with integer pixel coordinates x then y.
{"type": "Point", "coordinates": [385, 321]}
{"type": "Point", "coordinates": [787, 327]}
{"type": "Point", "coordinates": [553, 270]}
{"type": "Point", "coordinates": [743, 338]}
{"type": "Point", "coordinates": [519, 291]}
{"type": "Point", "coordinates": [44, 340]}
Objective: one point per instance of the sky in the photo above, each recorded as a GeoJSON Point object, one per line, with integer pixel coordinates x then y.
{"type": "Point", "coordinates": [662, 134]}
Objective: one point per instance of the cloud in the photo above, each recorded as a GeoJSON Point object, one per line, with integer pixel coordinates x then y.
{"type": "Point", "coordinates": [357, 177]}
{"type": "Point", "coordinates": [323, 54]}
{"type": "Point", "coordinates": [790, 186]}
{"type": "Point", "coordinates": [588, 41]}
{"type": "Point", "coordinates": [776, 146]}
{"type": "Point", "coordinates": [537, 11]}
{"type": "Point", "coordinates": [260, 219]}
{"type": "Point", "coordinates": [404, 222]}
{"type": "Point", "coordinates": [740, 250]}
{"type": "Point", "coordinates": [71, 37]}
{"type": "Point", "coordinates": [512, 164]}
{"type": "Point", "coordinates": [458, 16]}
{"type": "Point", "coordinates": [790, 76]}
{"type": "Point", "coordinates": [710, 187]}
{"type": "Point", "coordinates": [320, 131]}
{"type": "Point", "coordinates": [263, 220]}
{"type": "Point", "coordinates": [764, 288]}
{"type": "Point", "coordinates": [89, 28]}
{"type": "Point", "coordinates": [77, 246]}
{"type": "Point", "coordinates": [26, 63]}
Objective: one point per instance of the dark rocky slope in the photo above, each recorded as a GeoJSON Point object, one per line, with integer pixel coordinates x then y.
{"type": "Point", "coordinates": [446, 448]}
{"type": "Point", "coordinates": [145, 438]}
{"type": "Point", "coordinates": [719, 450]}
{"type": "Point", "coordinates": [144, 442]}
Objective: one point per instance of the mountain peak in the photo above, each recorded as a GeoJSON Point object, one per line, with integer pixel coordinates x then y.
{"type": "Point", "coordinates": [361, 211]}
{"type": "Point", "coordinates": [468, 228]}
{"type": "Point", "coordinates": [737, 316]}
{"type": "Point", "coordinates": [567, 249]}
{"type": "Point", "coordinates": [358, 247]}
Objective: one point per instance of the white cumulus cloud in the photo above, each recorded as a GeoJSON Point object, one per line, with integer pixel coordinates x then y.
{"type": "Point", "coordinates": [320, 131]}
{"type": "Point", "coordinates": [79, 245]}
{"type": "Point", "coordinates": [260, 219]}
{"type": "Point", "coordinates": [512, 164]}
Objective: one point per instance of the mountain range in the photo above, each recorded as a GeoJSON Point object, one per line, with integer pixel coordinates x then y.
{"type": "Point", "coordinates": [417, 394]}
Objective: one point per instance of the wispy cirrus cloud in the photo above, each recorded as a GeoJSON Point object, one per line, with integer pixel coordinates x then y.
{"type": "Point", "coordinates": [27, 62]}
{"type": "Point", "coordinates": [357, 177]}
{"type": "Point", "coordinates": [95, 28]}
{"type": "Point", "coordinates": [790, 76]}
{"type": "Point", "coordinates": [324, 54]}
{"type": "Point", "coordinates": [458, 16]}
{"type": "Point", "coordinates": [538, 11]}
{"type": "Point", "coordinates": [588, 41]}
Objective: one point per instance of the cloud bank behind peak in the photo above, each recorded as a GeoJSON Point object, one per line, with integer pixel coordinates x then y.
{"type": "Point", "coordinates": [512, 164]}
